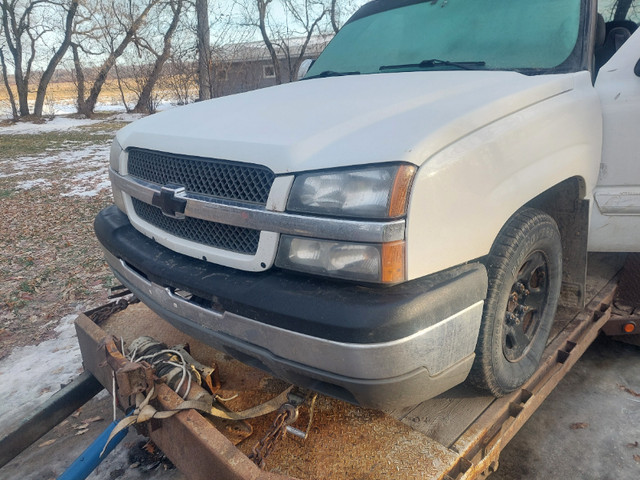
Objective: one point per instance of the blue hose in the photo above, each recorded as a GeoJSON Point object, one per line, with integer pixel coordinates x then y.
{"type": "Point", "coordinates": [91, 458]}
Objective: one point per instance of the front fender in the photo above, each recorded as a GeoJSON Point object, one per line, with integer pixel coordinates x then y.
{"type": "Point", "coordinates": [464, 194]}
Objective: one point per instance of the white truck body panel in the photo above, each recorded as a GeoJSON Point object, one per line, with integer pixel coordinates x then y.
{"type": "Point", "coordinates": [615, 219]}
{"type": "Point", "coordinates": [492, 135]}
{"type": "Point", "coordinates": [463, 188]}
{"type": "Point", "coordinates": [327, 123]}
{"type": "Point", "coordinates": [497, 169]}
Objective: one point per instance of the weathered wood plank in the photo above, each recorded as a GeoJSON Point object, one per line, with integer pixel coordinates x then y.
{"type": "Point", "coordinates": [445, 417]}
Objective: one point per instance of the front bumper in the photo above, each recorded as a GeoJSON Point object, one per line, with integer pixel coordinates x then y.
{"type": "Point", "coordinates": [377, 346]}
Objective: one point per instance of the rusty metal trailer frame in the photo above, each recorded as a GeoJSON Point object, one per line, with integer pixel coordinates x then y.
{"type": "Point", "coordinates": [187, 438]}
{"type": "Point", "coordinates": [480, 446]}
{"type": "Point", "coordinates": [197, 448]}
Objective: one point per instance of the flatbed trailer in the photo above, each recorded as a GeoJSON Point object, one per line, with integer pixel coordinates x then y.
{"type": "Point", "coordinates": [458, 435]}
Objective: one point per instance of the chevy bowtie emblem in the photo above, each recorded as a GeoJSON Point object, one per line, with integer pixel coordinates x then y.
{"type": "Point", "coordinates": [170, 199]}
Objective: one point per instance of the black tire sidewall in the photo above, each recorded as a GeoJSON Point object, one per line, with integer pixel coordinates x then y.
{"type": "Point", "coordinates": [539, 233]}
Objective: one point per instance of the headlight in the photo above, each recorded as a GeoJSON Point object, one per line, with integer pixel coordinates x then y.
{"type": "Point", "coordinates": [377, 263]}
{"type": "Point", "coordinates": [114, 155]}
{"type": "Point", "coordinates": [373, 192]}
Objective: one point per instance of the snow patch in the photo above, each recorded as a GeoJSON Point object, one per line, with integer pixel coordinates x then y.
{"type": "Point", "coordinates": [129, 117]}
{"type": "Point", "coordinates": [89, 177]}
{"type": "Point", "coordinates": [55, 125]}
{"type": "Point", "coordinates": [29, 184]}
{"type": "Point", "coordinates": [32, 374]}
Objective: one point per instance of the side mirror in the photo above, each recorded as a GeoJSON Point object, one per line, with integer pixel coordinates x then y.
{"type": "Point", "coordinates": [304, 68]}
{"type": "Point", "coordinates": [636, 70]}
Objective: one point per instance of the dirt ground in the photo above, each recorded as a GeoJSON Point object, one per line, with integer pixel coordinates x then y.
{"type": "Point", "coordinates": [52, 184]}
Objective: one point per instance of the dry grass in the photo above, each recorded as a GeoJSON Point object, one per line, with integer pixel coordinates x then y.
{"type": "Point", "coordinates": [50, 262]}
{"type": "Point", "coordinates": [67, 91]}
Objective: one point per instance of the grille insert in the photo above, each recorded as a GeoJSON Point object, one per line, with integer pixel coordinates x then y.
{"type": "Point", "coordinates": [217, 178]}
{"type": "Point", "coordinates": [217, 235]}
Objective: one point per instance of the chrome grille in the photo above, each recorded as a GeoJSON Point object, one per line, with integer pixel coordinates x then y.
{"type": "Point", "coordinates": [217, 235]}
{"type": "Point", "coordinates": [217, 178]}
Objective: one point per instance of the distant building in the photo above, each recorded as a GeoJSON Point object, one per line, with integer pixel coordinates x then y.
{"type": "Point", "coordinates": [247, 66]}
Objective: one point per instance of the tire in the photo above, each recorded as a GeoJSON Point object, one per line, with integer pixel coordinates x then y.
{"type": "Point", "coordinates": [524, 268]}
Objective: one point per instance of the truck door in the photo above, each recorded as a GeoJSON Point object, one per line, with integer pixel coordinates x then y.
{"type": "Point", "coordinates": [615, 214]}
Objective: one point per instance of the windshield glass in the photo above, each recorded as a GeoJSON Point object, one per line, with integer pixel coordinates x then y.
{"type": "Point", "coordinates": [406, 35]}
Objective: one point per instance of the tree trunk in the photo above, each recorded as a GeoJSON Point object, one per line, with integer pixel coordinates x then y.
{"type": "Point", "coordinates": [79, 77]}
{"type": "Point", "coordinates": [5, 78]}
{"type": "Point", "coordinates": [293, 72]}
{"type": "Point", "coordinates": [23, 94]}
{"type": "Point", "coordinates": [55, 60]}
{"type": "Point", "coordinates": [15, 47]}
{"type": "Point", "coordinates": [122, 95]}
{"type": "Point", "coordinates": [622, 9]}
{"type": "Point", "coordinates": [96, 88]}
{"type": "Point", "coordinates": [144, 101]}
{"type": "Point", "coordinates": [334, 14]}
{"type": "Point", "coordinates": [262, 12]}
{"type": "Point", "coordinates": [205, 66]}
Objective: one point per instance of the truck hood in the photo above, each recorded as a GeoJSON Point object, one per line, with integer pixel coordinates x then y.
{"type": "Point", "coordinates": [350, 120]}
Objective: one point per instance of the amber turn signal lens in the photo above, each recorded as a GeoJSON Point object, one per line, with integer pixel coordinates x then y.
{"type": "Point", "coordinates": [629, 327]}
{"type": "Point", "coordinates": [400, 192]}
{"type": "Point", "coordinates": [393, 262]}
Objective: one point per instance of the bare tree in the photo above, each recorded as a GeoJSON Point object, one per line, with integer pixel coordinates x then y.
{"type": "Point", "coordinates": [231, 74]}
{"type": "Point", "coordinates": [621, 9]}
{"type": "Point", "coordinates": [341, 10]}
{"type": "Point", "coordinates": [298, 19]}
{"type": "Point", "coordinates": [25, 23]}
{"type": "Point", "coordinates": [55, 60]}
{"type": "Point", "coordinates": [205, 64]}
{"type": "Point", "coordinates": [333, 15]}
{"type": "Point", "coordinates": [307, 15]}
{"type": "Point", "coordinates": [181, 76]}
{"type": "Point", "coordinates": [256, 14]}
{"type": "Point", "coordinates": [120, 23]}
{"type": "Point", "coordinates": [5, 78]}
{"type": "Point", "coordinates": [143, 105]}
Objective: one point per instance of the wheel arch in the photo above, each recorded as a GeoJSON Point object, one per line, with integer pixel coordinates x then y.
{"type": "Point", "coordinates": [567, 204]}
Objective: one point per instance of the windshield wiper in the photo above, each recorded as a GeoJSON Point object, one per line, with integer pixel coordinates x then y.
{"type": "Point", "coordinates": [330, 73]}
{"type": "Point", "coordinates": [434, 62]}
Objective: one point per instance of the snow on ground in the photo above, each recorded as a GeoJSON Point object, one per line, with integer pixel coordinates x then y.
{"type": "Point", "coordinates": [61, 109]}
{"type": "Point", "coordinates": [59, 124]}
{"type": "Point", "coordinates": [88, 166]}
{"type": "Point", "coordinates": [30, 375]}
{"type": "Point", "coordinates": [29, 184]}
{"type": "Point", "coordinates": [54, 125]}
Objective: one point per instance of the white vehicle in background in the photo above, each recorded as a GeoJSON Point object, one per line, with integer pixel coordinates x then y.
{"type": "Point", "coordinates": [406, 216]}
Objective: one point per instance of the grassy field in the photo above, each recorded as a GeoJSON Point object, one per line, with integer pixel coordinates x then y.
{"type": "Point", "coordinates": [67, 91]}
{"type": "Point", "coordinates": [52, 184]}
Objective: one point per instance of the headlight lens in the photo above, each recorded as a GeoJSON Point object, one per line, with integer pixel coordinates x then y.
{"type": "Point", "coordinates": [378, 263]}
{"type": "Point", "coordinates": [374, 192]}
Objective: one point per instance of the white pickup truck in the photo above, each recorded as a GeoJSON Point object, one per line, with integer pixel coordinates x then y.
{"type": "Point", "coordinates": [405, 217]}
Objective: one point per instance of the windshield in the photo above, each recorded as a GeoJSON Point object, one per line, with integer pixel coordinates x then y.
{"type": "Point", "coordinates": [410, 35]}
